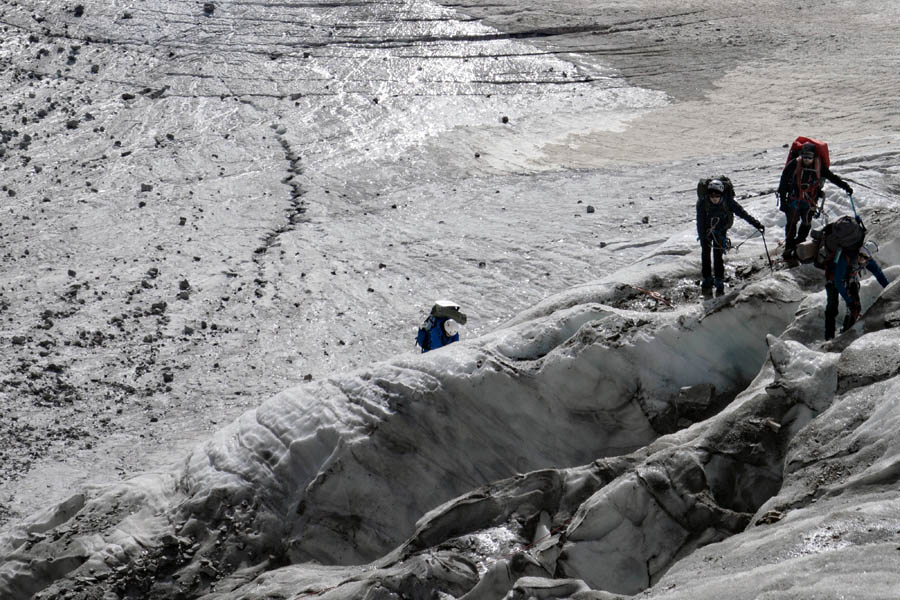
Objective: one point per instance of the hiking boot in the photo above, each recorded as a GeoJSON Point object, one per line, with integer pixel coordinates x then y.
{"type": "Point", "coordinates": [706, 287]}
{"type": "Point", "coordinates": [789, 254]}
{"type": "Point", "coordinates": [720, 290]}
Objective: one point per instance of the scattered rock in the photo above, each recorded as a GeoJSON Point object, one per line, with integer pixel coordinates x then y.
{"type": "Point", "coordinates": [79, 10]}
{"type": "Point", "coordinates": [146, 187]}
{"type": "Point", "coordinates": [773, 516]}
{"type": "Point", "coordinates": [590, 209]}
{"type": "Point", "coordinates": [209, 8]}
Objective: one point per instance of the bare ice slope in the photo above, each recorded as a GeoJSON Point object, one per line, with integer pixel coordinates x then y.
{"type": "Point", "coordinates": [338, 473]}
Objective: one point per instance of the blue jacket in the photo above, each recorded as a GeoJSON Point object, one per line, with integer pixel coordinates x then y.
{"type": "Point", "coordinates": [432, 336]}
{"type": "Point", "coordinates": [843, 273]}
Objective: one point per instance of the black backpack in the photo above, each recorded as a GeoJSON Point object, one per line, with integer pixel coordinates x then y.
{"type": "Point", "coordinates": [727, 197]}
{"type": "Point", "coordinates": [846, 234]}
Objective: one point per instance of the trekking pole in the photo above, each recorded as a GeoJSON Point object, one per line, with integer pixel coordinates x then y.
{"type": "Point", "coordinates": [748, 239]}
{"type": "Point", "coordinates": [853, 206]}
{"type": "Point", "coordinates": [771, 266]}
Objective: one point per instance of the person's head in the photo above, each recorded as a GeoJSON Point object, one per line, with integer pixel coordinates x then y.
{"type": "Point", "coordinates": [807, 153]}
{"type": "Point", "coordinates": [715, 190]}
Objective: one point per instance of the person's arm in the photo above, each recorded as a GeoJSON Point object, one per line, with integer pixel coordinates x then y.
{"type": "Point", "coordinates": [739, 211]}
{"type": "Point", "coordinates": [836, 180]}
{"type": "Point", "coordinates": [875, 270]}
{"type": "Point", "coordinates": [787, 179]}
{"type": "Point", "coordinates": [701, 221]}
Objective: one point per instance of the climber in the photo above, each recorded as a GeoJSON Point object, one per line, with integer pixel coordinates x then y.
{"type": "Point", "coordinates": [441, 327]}
{"type": "Point", "coordinates": [716, 208]}
{"type": "Point", "coordinates": [804, 174]}
{"type": "Point", "coordinates": [844, 274]}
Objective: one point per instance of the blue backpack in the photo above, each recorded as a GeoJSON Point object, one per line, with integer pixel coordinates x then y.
{"type": "Point", "coordinates": [432, 335]}
{"type": "Point", "coordinates": [433, 332]}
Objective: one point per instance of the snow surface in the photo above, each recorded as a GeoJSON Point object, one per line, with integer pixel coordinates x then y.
{"type": "Point", "coordinates": [224, 224]}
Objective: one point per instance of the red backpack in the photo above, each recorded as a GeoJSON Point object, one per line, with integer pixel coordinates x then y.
{"type": "Point", "coordinates": [821, 150]}
{"type": "Point", "coordinates": [822, 161]}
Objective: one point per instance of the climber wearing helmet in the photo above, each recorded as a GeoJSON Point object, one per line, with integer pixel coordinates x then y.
{"type": "Point", "coordinates": [441, 327]}
{"type": "Point", "coordinates": [845, 283]}
{"type": "Point", "coordinates": [799, 191]}
{"type": "Point", "coordinates": [716, 208]}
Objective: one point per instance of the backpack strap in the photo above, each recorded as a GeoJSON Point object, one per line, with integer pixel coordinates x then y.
{"type": "Point", "coordinates": [810, 195]}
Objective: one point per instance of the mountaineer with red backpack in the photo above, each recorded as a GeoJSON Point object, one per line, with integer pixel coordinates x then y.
{"type": "Point", "coordinates": [804, 175]}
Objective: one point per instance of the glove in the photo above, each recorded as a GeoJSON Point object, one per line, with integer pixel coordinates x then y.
{"type": "Point", "coordinates": [849, 190]}
{"type": "Point", "coordinates": [760, 227]}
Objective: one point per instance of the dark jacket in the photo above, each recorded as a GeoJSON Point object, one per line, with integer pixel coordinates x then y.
{"type": "Point", "coordinates": [716, 219]}
{"type": "Point", "coordinates": [788, 189]}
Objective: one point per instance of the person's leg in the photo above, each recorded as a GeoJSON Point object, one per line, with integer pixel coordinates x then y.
{"type": "Point", "coordinates": [806, 217]}
{"type": "Point", "coordinates": [853, 309]}
{"type": "Point", "coordinates": [705, 266]}
{"type": "Point", "coordinates": [719, 269]}
{"type": "Point", "coordinates": [831, 309]}
{"type": "Point", "coordinates": [790, 232]}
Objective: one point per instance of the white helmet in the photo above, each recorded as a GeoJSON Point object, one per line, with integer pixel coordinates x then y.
{"type": "Point", "coordinates": [451, 327]}
{"type": "Point", "coordinates": [716, 185]}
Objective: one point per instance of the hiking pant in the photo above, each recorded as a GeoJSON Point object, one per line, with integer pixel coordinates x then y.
{"type": "Point", "coordinates": [831, 309]}
{"type": "Point", "coordinates": [714, 267]}
{"type": "Point", "coordinates": [799, 222]}
{"type": "Point", "coordinates": [831, 306]}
